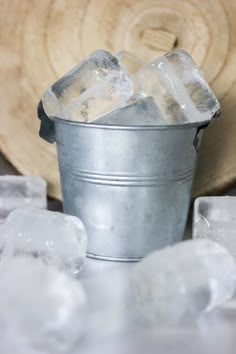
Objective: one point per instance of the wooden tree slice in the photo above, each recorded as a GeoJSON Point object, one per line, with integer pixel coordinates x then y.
{"type": "Point", "coordinates": [41, 40]}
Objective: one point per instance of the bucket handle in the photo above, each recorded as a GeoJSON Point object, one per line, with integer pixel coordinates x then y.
{"type": "Point", "coordinates": [47, 126]}
{"type": "Point", "coordinates": [198, 137]}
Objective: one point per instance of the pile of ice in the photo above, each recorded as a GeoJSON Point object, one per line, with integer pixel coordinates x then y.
{"type": "Point", "coordinates": [180, 282]}
{"type": "Point", "coordinates": [122, 90]}
{"type": "Point", "coordinates": [171, 286]}
{"type": "Point", "coordinates": [43, 305]}
{"type": "Point", "coordinates": [28, 229]}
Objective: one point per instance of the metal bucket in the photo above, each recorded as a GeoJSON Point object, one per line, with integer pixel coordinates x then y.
{"type": "Point", "coordinates": [130, 185]}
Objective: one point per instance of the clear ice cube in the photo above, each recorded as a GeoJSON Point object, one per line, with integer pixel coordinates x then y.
{"type": "Point", "coordinates": [44, 308]}
{"type": "Point", "coordinates": [179, 88]}
{"type": "Point", "coordinates": [94, 87]}
{"type": "Point", "coordinates": [181, 281]}
{"type": "Point", "coordinates": [215, 219]}
{"type": "Point", "coordinates": [57, 238]}
{"type": "Point", "coordinates": [21, 191]}
{"type": "Point", "coordinates": [144, 111]}
{"type": "Point", "coordinates": [130, 62]}
{"type": "Point", "coordinates": [194, 81]}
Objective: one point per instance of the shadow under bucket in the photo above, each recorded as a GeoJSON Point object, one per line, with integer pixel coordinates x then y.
{"type": "Point", "coordinates": [130, 185]}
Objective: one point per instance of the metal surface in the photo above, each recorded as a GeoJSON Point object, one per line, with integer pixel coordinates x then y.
{"type": "Point", "coordinates": [129, 185]}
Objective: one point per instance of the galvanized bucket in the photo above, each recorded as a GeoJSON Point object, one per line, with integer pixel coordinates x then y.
{"type": "Point", "coordinates": [130, 185]}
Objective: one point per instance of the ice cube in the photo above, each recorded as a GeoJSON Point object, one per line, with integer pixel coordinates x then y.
{"type": "Point", "coordinates": [181, 281]}
{"type": "Point", "coordinates": [57, 238]}
{"type": "Point", "coordinates": [21, 191]}
{"type": "Point", "coordinates": [94, 87]}
{"type": "Point", "coordinates": [215, 219]}
{"type": "Point", "coordinates": [41, 304]}
{"type": "Point", "coordinates": [194, 81]}
{"type": "Point", "coordinates": [179, 88]}
{"type": "Point", "coordinates": [130, 62]}
{"type": "Point", "coordinates": [144, 111]}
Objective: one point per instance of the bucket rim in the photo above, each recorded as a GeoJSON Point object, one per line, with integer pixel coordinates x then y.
{"type": "Point", "coordinates": [196, 125]}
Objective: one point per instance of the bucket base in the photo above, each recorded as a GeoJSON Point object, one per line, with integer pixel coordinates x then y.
{"type": "Point", "coordinates": [113, 259]}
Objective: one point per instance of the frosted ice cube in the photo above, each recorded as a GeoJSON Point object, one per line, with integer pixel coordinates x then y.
{"type": "Point", "coordinates": [57, 238]}
{"type": "Point", "coordinates": [94, 87]}
{"type": "Point", "coordinates": [21, 191]}
{"type": "Point", "coordinates": [144, 111]}
{"type": "Point", "coordinates": [215, 219]}
{"type": "Point", "coordinates": [179, 88]}
{"type": "Point", "coordinates": [41, 304]}
{"type": "Point", "coordinates": [181, 281]}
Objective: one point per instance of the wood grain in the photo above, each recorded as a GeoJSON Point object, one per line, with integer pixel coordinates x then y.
{"type": "Point", "coordinates": [41, 40]}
